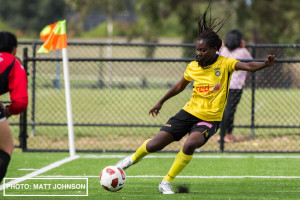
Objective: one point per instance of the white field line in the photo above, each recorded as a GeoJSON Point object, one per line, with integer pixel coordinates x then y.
{"type": "Point", "coordinates": [157, 176]}
{"type": "Point", "coordinates": [29, 169]}
{"type": "Point", "coordinates": [40, 171]}
{"type": "Point", "coordinates": [276, 156]}
{"type": "Point", "coordinates": [195, 156]}
{"type": "Point", "coordinates": [158, 156]}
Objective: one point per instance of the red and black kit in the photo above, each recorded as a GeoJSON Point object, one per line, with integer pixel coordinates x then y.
{"type": "Point", "coordinates": [13, 79]}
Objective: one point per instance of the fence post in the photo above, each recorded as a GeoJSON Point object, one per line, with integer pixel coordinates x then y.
{"type": "Point", "coordinates": [33, 89]}
{"type": "Point", "coordinates": [253, 77]}
{"type": "Point", "coordinates": [57, 78]}
{"type": "Point", "coordinates": [222, 134]}
{"type": "Point", "coordinates": [23, 130]}
{"type": "Point", "coordinates": [23, 116]}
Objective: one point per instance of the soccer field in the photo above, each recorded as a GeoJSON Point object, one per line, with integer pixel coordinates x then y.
{"type": "Point", "coordinates": [208, 176]}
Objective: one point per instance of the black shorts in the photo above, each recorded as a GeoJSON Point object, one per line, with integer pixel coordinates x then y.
{"type": "Point", "coordinates": [183, 123]}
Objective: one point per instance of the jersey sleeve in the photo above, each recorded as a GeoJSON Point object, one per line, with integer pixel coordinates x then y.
{"type": "Point", "coordinates": [231, 64]}
{"type": "Point", "coordinates": [187, 73]}
{"type": "Point", "coordinates": [17, 85]}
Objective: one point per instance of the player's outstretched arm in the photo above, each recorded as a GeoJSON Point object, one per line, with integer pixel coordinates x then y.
{"type": "Point", "coordinates": [177, 88]}
{"type": "Point", "coordinates": [255, 66]}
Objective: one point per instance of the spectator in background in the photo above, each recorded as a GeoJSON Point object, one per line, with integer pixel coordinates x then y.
{"type": "Point", "coordinates": [13, 79]}
{"type": "Point", "coordinates": [234, 48]}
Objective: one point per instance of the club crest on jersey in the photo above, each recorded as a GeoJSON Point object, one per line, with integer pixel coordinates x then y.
{"type": "Point", "coordinates": [217, 71]}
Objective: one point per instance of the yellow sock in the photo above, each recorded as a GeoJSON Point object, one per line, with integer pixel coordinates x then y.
{"type": "Point", "coordinates": [179, 164]}
{"type": "Point", "coordinates": [140, 152]}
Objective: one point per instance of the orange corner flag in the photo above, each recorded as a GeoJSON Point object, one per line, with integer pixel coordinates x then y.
{"type": "Point", "coordinates": [55, 36]}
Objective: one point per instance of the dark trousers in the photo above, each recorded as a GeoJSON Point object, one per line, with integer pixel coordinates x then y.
{"type": "Point", "coordinates": [234, 98]}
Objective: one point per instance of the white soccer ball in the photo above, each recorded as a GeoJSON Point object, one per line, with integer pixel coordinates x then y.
{"type": "Point", "coordinates": [112, 178]}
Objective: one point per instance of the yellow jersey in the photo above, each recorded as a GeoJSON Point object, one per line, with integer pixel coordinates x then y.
{"type": "Point", "coordinates": [210, 88]}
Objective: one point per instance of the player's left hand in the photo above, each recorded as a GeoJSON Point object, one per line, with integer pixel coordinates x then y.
{"type": "Point", "coordinates": [2, 108]}
{"type": "Point", "coordinates": [271, 59]}
{"type": "Point", "coordinates": [7, 113]}
{"type": "Point", "coordinates": [155, 110]}
{"type": "Point", "coordinates": [5, 110]}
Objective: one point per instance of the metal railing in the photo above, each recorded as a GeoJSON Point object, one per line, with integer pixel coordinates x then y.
{"type": "Point", "coordinates": [143, 74]}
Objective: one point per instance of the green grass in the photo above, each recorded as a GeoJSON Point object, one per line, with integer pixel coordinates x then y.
{"type": "Point", "coordinates": [265, 186]}
{"type": "Point", "coordinates": [131, 106]}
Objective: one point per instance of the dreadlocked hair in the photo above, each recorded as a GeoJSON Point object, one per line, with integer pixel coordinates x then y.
{"type": "Point", "coordinates": [206, 29]}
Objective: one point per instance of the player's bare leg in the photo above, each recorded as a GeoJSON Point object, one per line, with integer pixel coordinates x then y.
{"type": "Point", "coordinates": [159, 141]}
{"type": "Point", "coordinates": [6, 147]}
{"type": "Point", "coordinates": [194, 141]}
{"type": "Point", "coordinates": [6, 139]}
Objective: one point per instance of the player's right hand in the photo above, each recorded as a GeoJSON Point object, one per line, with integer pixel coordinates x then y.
{"type": "Point", "coordinates": [271, 59]}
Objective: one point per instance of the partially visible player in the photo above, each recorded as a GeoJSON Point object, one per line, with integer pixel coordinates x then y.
{"type": "Point", "coordinates": [234, 48]}
{"type": "Point", "coordinates": [202, 115]}
{"type": "Point", "coordinates": [13, 79]}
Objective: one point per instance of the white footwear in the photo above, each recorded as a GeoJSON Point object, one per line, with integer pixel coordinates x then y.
{"type": "Point", "coordinates": [165, 187]}
{"type": "Point", "coordinates": [125, 163]}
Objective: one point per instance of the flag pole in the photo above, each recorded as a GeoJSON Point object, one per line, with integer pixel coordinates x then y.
{"type": "Point", "coordinates": [57, 39]}
{"type": "Point", "coordinates": [68, 102]}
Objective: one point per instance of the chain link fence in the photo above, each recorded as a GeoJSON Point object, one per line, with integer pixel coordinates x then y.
{"type": "Point", "coordinates": [114, 85]}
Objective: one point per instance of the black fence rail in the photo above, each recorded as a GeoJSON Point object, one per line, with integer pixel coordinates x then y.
{"type": "Point", "coordinates": [113, 86]}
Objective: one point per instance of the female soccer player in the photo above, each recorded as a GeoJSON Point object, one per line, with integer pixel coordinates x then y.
{"type": "Point", "coordinates": [13, 79]}
{"type": "Point", "coordinates": [201, 116]}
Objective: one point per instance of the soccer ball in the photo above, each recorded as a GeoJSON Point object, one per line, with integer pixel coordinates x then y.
{"type": "Point", "coordinates": [112, 178]}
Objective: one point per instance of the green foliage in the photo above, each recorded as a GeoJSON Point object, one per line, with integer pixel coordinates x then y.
{"type": "Point", "coordinates": [31, 16]}
{"type": "Point", "coordinates": [83, 8]}
{"type": "Point", "coordinates": [99, 31]}
{"type": "Point", "coordinates": [119, 30]}
{"type": "Point", "coordinates": [169, 29]}
{"type": "Point", "coordinates": [273, 21]}
{"type": "Point", "coordinates": [5, 27]}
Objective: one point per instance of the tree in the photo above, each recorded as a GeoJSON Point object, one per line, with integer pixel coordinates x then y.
{"type": "Point", "coordinates": [272, 21]}
{"type": "Point", "coordinates": [31, 16]}
{"type": "Point", "coordinates": [187, 12]}
{"type": "Point", "coordinates": [108, 7]}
